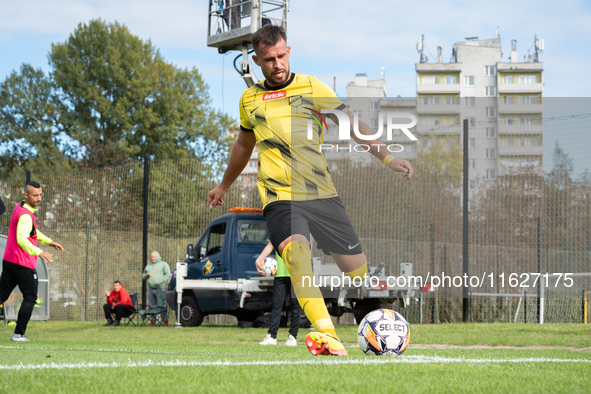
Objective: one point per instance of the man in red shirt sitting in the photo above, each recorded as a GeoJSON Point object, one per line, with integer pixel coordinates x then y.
{"type": "Point", "coordinates": [118, 303]}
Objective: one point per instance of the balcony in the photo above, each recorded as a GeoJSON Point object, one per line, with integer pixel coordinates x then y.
{"type": "Point", "coordinates": [438, 109]}
{"type": "Point", "coordinates": [521, 150]}
{"type": "Point", "coordinates": [439, 130]}
{"type": "Point", "coordinates": [521, 108]}
{"type": "Point", "coordinates": [520, 129]}
{"type": "Point", "coordinates": [520, 67]}
{"type": "Point", "coordinates": [520, 88]}
{"type": "Point", "coordinates": [438, 88]}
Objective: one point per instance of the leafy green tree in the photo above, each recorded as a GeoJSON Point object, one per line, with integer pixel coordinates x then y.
{"type": "Point", "coordinates": [439, 158]}
{"type": "Point", "coordinates": [28, 124]}
{"type": "Point", "coordinates": [110, 98]}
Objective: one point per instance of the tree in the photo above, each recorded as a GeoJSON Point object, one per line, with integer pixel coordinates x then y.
{"type": "Point", "coordinates": [110, 98]}
{"type": "Point", "coordinates": [28, 124]}
{"type": "Point", "coordinates": [439, 158]}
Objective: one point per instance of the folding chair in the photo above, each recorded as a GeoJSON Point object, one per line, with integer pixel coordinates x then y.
{"type": "Point", "coordinates": [135, 310]}
{"type": "Point", "coordinates": [157, 312]}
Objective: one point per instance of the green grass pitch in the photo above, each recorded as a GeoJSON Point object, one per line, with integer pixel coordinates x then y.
{"type": "Point", "coordinates": [79, 357]}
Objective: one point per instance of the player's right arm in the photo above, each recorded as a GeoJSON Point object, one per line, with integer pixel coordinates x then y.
{"type": "Point", "coordinates": [239, 157]}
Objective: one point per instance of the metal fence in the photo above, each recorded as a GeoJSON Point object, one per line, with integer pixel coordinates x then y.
{"type": "Point", "coordinates": [524, 220]}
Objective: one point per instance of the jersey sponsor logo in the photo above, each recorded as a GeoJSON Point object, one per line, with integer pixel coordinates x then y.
{"type": "Point", "coordinates": [274, 95]}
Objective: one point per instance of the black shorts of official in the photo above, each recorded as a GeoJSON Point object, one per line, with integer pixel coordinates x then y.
{"type": "Point", "coordinates": [326, 219]}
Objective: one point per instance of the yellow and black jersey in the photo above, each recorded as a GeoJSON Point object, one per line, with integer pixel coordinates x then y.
{"type": "Point", "coordinates": [291, 165]}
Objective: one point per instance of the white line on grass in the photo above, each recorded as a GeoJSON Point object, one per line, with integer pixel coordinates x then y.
{"type": "Point", "coordinates": [102, 350]}
{"type": "Point", "coordinates": [324, 361]}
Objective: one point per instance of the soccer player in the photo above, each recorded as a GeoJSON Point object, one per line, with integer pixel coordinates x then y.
{"type": "Point", "coordinates": [20, 257]}
{"type": "Point", "coordinates": [296, 189]}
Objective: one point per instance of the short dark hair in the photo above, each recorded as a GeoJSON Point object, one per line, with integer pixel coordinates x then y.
{"type": "Point", "coordinates": [116, 282]}
{"type": "Point", "coordinates": [34, 184]}
{"type": "Point", "coordinates": [267, 36]}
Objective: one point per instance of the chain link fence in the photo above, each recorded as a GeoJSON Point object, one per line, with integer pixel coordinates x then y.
{"type": "Point", "coordinates": [529, 218]}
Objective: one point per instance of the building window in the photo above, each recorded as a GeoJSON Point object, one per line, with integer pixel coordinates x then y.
{"type": "Point", "coordinates": [528, 100]}
{"type": "Point", "coordinates": [374, 106]}
{"type": "Point", "coordinates": [430, 121]}
{"type": "Point", "coordinates": [508, 142]}
{"type": "Point", "coordinates": [471, 143]}
{"type": "Point", "coordinates": [510, 79]}
{"type": "Point", "coordinates": [508, 121]}
{"type": "Point", "coordinates": [472, 163]}
{"type": "Point", "coordinates": [430, 79]}
{"type": "Point", "coordinates": [469, 80]}
{"type": "Point", "coordinates": [450, 79]}
{"type": "Point", "coordinates": [472, 184]}
{"type": "Point", "coordinates": [508, 100]}
{"type": "Point", "coordinates": [470, 101]}
{"type": "Point", "coordinates": [375, 123]}
{"type": "Point", "coordinates": [527, 121]}
{"type": "Point", "coordinates": [528, 141]}
{"type": "Point", "coordinates": [490, 71]}
{"type": "Point", "coordinates": [491, 153]}
{"type": "Point", "coordinates": [471, 122]}
{"type": "Point", "coordinates": [491, 132]}
{"type": "Point", "coordinates": [528, 79]}
{"type": "Point", "coordinates": [451, 100]}
{"type": "Point", "coordinates": [491, 112]}
{"type": "Point", "coordinates": [430, 100]}
{"type": "Point", "coordinates": [490, 91]}
{"type": "Point", "coordinates": [491, 174]}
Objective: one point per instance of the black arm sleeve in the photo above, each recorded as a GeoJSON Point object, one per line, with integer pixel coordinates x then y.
{"type": "Point", "coordinates": [2, 207]}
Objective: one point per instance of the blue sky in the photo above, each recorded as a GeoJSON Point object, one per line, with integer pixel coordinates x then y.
{"type": "Point", "coordinates": [328, 38]}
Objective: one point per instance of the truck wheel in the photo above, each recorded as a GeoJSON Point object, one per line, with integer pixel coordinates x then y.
{"type": "Point", "coordinates": [335, 310]}
{"type": "Point", "coordinates": [190, 314]}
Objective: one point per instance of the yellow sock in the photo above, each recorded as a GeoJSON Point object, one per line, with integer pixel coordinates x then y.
{"type": "Point", "coordinates": [359, 272]}
{"type": "Point", "coordinates": [298, 260]}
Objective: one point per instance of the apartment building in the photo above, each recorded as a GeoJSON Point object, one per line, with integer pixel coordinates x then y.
{"type": "Point", "coordinates": [501, 99]}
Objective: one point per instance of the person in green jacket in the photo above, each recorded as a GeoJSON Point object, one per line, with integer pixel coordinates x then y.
{"type": "Point", "coordinates": [281, 292]}
{"type": "Point", "coordinates": [157, 273]}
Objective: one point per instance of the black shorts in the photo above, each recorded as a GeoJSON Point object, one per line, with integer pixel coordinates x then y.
{"type": "Point", "coordinates": [326, 219]}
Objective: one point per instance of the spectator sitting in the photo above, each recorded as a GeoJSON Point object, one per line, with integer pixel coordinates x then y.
{"type": "Point", "coordinates": [118, 303]}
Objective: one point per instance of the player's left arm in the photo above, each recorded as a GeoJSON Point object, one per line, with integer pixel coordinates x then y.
{"type": "Point", "coordinates": [326, 98]}
{"type": "Point", "coordinates": [377, 148]}
{"type": "Point", "coordinates": [47, 241]}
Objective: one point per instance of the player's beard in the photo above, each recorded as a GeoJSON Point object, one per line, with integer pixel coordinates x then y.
{"type": "Point", "coordinates": [274, 81]}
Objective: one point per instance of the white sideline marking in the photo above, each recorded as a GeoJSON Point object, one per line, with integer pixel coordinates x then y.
{"type": "Point", "coordinates": [102, 350]}
{"type": "Point", "coordinates": [332, 361]}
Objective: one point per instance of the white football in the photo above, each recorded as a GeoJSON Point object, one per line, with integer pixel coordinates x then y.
{"type": "Point", "coordinates": [383, 331]}
{"type": "Point", "coordinates": [269, 266]}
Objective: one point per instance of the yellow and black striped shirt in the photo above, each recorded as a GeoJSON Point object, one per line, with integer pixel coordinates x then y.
{"type": "Point", "coordinates": [290, 166]}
